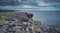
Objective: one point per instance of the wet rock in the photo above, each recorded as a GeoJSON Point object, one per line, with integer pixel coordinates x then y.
{"type": "Point", "coordinates": [29, 15]}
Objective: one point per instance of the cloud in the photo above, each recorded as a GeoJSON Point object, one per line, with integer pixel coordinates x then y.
{"type": "Point", "coordinates": [26, 6]}
{"type": "Point", "coordinates": [32, 5]}
{"type": "Point", "coordinates": [52, 1]}
{"type": "Point", "coordinates": [44, 3]}
{"type": "Point", "coordinates": [41, 3]}
{"type": "Point", "coordinates": [30, 2]}
{"type": "Point", "coordinates": [29, 8]}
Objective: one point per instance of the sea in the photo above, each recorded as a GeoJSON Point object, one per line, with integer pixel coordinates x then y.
{"type": "Point", "coordinates": [47, 17]}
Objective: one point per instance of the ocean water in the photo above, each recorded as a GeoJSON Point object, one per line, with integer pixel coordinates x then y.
{"type": "Point", "coordinates": [47, 17]}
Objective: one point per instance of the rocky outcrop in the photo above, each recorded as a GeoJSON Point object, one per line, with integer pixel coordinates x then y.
{"type": "Point", "coordinates": [17, 22]}
{"type": "Point", "coordinates": [21, 22]}
{"type": "Point", "coordinates": [41, 28]}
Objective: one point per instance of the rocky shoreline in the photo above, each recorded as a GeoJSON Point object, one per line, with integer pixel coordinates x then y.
{"type": "Point", "coordinates": [22, 22]}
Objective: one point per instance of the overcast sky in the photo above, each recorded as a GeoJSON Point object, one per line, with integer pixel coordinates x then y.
{"type": "Point", "coordinates": [52, 5]}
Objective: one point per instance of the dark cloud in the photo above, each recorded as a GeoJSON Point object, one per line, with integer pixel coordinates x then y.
{"type": "Point", "coordinates": [28, 2]}
{"type": "Point", "coordinates": [17, 2]}
{"type": "Point", "coordinates": [52, 1]}
{"type": "Point", "coordinates": [8, 4]}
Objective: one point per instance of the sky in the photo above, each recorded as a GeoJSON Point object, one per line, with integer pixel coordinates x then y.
{"type": "Point", "coordinates": [42, 5]}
